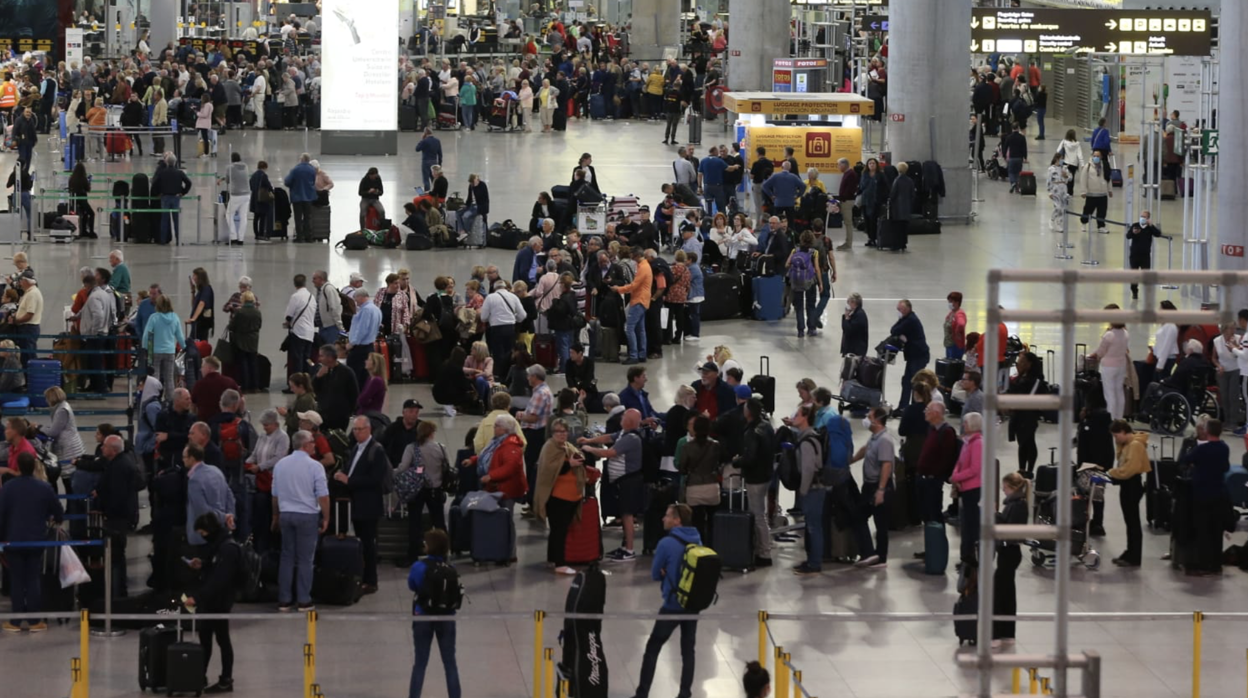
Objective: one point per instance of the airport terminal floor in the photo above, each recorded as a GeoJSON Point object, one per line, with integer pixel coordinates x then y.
{"type": "Point", "coordinates": [372, 657]}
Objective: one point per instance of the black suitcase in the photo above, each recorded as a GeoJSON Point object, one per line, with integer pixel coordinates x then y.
{"type": "Point", "coordinates": [318, 223]}
{"type": "Point", "coordinates": [723, 296]}
{"type": "Point", "coordinates": [583, 663]}
{"type": "Point", "coordinates": [142, 225]}
{"type": "Point", "coordinates": [272, 116]}
{"type": "Point", "coordinates": [503, 236]}
{"type": "Point", "coordinates": [871, 372]}
{"type": "Point", "coordinates": [493, 535]}
{"type": "Point", "coordinates": [967, 630]}
{"type": "Point", "coordinates": [154, 646]}
{"type": "Point", "coordinates": [661, 496]}
{"type": "Point", "coordinates": [460, 531]}
{"type": "Point", "coordinates": [732, 532]}
{"type": "Point", "coordinates": [931, 208]}
{"type": "Point", "coordinates": [922, 226]}
{"type": "Point", "coordinates": [894, 234]}
{"type": "Point", "coordinates": [339, 568]}
{"type": "Point", "coordinates": [1027, 183]}
{"type": "Point", "coordinates": [408, 119]}
{"type": "Point", "coordinates": [765, 384]}
{"type": "Point", "coordinates": [560, 191]}
{"type": "Point", "coordinates": [949, 371]}
{"type": "Point", "coordinates": [186, 665]}
{"type": "Point", "coordinates": [416, 242]}
{"type": "Point", "coordinates": [1159, 485]}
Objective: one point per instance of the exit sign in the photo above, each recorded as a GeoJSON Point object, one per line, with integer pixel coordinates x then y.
{"type": "Point", "coordinates": [896, 117]}
{"type": "Point", "coordinates": [1232, 250]}
{"type": "Point", "coordinates": [734, 52]}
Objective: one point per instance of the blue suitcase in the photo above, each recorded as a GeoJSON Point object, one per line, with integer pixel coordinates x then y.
{"type": "Point", "coordinates": [597, 107]}
{"type": "Point", "coordinates": [493, 534]}
{"type": "Point", "coordinates": [74, 152]}
{"type": "Point", "coordinates": [460, 531]}
{"type": "Point", "coordinates": [936, 548]}
{"type": "Point", "coordinates": [768, 298]}
{"type": "Point", "coordinates": [42, 374]}
{"type": "Point", "coordinates": [856, 393]}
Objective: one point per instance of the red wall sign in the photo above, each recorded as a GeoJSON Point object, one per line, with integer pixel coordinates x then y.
{"type": "Point", "coordinates": [1232, 250]}
{"type": "Point", "coordinates": [896, 117]}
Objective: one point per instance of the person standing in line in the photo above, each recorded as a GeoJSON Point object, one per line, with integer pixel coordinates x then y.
{"type": "Point", "coordinates": [1023, 423]}
{"type": "Point", "coordinates": [261, 201]}
{"type": "Point", "coordinates": [438, 547]}
{"type": "Point", "coordinates": [966, 480]}
{"type": "Point", "coordinates": [955, 327]}
{"type": "Point", "coordinates": [1113, 355]}
{"type": "Point", "coordinates": [360, 340]}
{"type": "Point", "coordinates": [364, 472]}
{"type": "Point", "coordinates": [1128, 474]}
{"type": "Point", "coordinates": [328, 309]}
{"type": "Point", "coordinates": [300, 327]}
{"type": "Point", "coordinates": [1228, 375]}
{"type": "Point", "coordinates": [1140, 238]}
{"type": "Point", "coordinates": [1208, 463]}
{"type": "Point", "coordinates": [170, 183]}
{"type": "Point", "coordinates": [909, 329]}
{"type": "Point", "coordinates": [206, 492]}
{"type": "Point", "coordinates": [238, 184]}
{"type": "Point", "coordinates": [371, 189]}
{"type": "Point", "coordinates": [1009, 556]}
{"type": "Point", "coordinates": [668, 558]}
{"type": "Point", "coordinates": [878, 457]}
{"type": "Point", "coordinates": [1039, 105]}
{"type": "Point", "coordinates": [1059, 184]}
{"type": "Point", "coordinates": [812, 493]}
{"type": "Point", "coordinates": [845, 194]}
{"type": "Point", "coordinates": [115, 499]}
{"type": "Point", "coordinates": [756, 462]}
{"type": "Point", "coordinates": [558, 492]}
{"type": "Point", "coordinates": [301, 514]}
{"type": "Point", "coordinates": [1015, 152]}
{"type": "Point", "coordinates": [301, 183]}
{"type": "Point", "coordinates": [216, 595]}
{"type": "Point", "coordinates": [26, 506]}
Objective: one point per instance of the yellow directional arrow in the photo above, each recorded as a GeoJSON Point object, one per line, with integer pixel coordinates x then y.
{"type": "Point", "coordinates": [974, 46]}
{"type": "Point", "coordinates": [974, 23]}
{"type": "Point", "coordinates": [1111, 47]}
{"type": "Point", "coordinates": [1112, 24]}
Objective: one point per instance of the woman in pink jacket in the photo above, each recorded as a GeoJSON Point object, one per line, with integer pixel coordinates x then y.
{"type": "Point", "coordinates": [966, 482]}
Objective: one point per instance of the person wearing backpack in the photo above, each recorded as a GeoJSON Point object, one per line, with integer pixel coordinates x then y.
{"type": "Point", "coordinates": [757, 463]}
{"type": "Point", "coordinates": [811, 493]}
{"type": "Point", "coordinates": [802, 271]}
{"type": "Point", "coordinates": [669, 558]}
{"type": "Point", "coordinates": [438, 593]}
{"type": "Point", "coordinates": [222, 578]}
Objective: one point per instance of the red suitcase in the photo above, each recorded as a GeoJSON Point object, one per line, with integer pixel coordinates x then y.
{"type": "Point", "coordinates": [584, 543]}
{"type": "Point", "coordinates": [382, 347]}
{"type": "Point", "coordinates": [117, 143]}
{"type": "Point", "coordinates": [544, 351]}
{"type": "Point", "coordinates": [420, 361]}
{"type": "Point", "coordinates": [205, 349]}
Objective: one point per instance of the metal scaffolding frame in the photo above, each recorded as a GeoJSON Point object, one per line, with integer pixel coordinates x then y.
{"type": "Point", "coordinates": [1068, 316]}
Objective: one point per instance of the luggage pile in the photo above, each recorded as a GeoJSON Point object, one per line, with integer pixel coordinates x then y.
{"type": "Point", "coordinates": [862, 383]}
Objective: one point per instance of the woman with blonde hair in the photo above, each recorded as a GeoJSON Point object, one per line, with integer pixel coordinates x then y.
{"type": "Point", "coordinates": [479, 369]}
{"type": "Point", "coordinates": [373, 393]}
{"type": "Point", "coordinates": [558, 492]}
{"type": "Point", "coordinates": [66, 444]}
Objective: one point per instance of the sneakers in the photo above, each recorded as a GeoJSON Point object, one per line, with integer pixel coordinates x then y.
{"type": "Point", "coordinates": [565, 570]}
{"type": "Point", "coordinates": [307, 607]}
{"type": "Point", "coordinates": [622, 555]}
{"type": "Point", "coordinates": [692, 338]}
{"type": "Point", "coordinates": [10, 628]}
{"type": "Point", "coordinates": [843, 247]}
{"type": "Point", "coordinates": [868, 561]}
{"type": "Point", "coordinates": [450, 410]}
{"type": "Point", "coordinates": [285, 607]}
{"type": "Point", "coordinates": [222, 686]}
{"type": "Point", "coordinates": [1241, 431]}
{"type": "Point", "coordinates": [805, 570]}
{"type": "Point", "coordinates": [38, 627]}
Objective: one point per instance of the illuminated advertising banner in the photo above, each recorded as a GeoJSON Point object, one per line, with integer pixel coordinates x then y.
{"type": "Point", "coordinates": [360, 54]}
{"type": "Point", "coordinates": [813, 146]}
{"type": "Point", "coordinates": [1127, 32]}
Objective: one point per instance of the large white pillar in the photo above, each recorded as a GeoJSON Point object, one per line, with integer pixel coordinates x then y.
{"type": "Point", "coordinates": [1232, 120]}
{"type": "Point", "coordinates": [759, 29]}
{"type": "Point", "coordinates": [163, 17]}
{"type": "Point", "coordinates": [656, 24]}
{"type": "Point", "coordinates": [928, 61]}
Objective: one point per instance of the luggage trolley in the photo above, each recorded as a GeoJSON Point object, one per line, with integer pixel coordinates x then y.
{"type": "Point", "coordinates": [862, 379]}
{"type": "Point", "coordinates": [1043, 552]}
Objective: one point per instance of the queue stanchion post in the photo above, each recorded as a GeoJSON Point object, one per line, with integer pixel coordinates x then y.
{"type": "Point", "coordinates": [539, 618]}
{"type": "Point", "coordinates": [84, 652]}
{"type": "Point", "coordinates": [1169, 260]}
{"type": "Point", "coordinates": [1088, 260]}
{"type": "Point", "coordinates": [1065, 243]}
{"type": "Point", "coordinates": [1198, 620]}
{"type": "Point", "coordinates": [762, 639]}
{"type": "Point", "coordinates": [548, 672]}
{"type": "Point", "coordinates": [108, 592]}
{"type": "Point", "coordinates": [782, 673]}
{"type": "Point", "coordinates": [797, 684]}
{"type": "Point", "coordinates": [1015, 680]}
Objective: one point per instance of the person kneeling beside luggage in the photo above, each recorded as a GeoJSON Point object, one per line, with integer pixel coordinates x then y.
{"type": "Point", "coordinates": [216, 595]}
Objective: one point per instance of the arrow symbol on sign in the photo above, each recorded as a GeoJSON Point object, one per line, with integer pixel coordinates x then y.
{"type": "Point", "coordinates": [1112, 24]}
{"type": "Point", "coordinates": [974, 23]}
{"type": "Point", "coordinates": [875, 25]}
{"type": "Point", "coordinates": [1111, 47]}
{"type": "Point", "coordinates": [974, 46]}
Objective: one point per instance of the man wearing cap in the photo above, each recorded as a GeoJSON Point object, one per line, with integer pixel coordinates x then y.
{"type": "Point", "coordinates": [310, 422]}
{"type": "Point", "coordinates": [348, 298]}
{"type": "Point", "coordinates": [301, 513]}
{"type": "Point", "coordinates": [29, 315]}
{"type": "Point", "coordinates": [402, 432]}
{"type": "Point", "coordinates": [714, 395]}
{"type": "Point", "coordinates": [336, 390]}
{"type": "Point", "coordinates": [364, 328]}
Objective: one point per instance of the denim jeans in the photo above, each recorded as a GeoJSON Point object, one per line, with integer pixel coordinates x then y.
{"type": "Point", "coordinates": [1040, 119]}
{"type": "Point", "coordinates": [812, 509]}
{"type": "Point", "coordinates": [482, 385]}
{"type": "Point", "coordinates": [563, 346]}
{"type": "Point", "coordinates": [28, 341]}
{"type": "Point", "coordinates": [467, 219]}
{"type": "Point", "coordinates": [826, 295]}
{"type": "Point", "coordinates": [426, 174]}
{"type": "Point", "coordinates": [422, 640]}
{"type": "Point", "coordinates": [954, 352]}
{"type": "Point", "coordinates": [1014, 167]}
{"type": "Point", "coordinates": [299, 536]}
{"type": "Point", "coordinates": [693, 319]}
{"type": "Point", "coordinates": [663, 630]}
{"type": "Point", "coordinates": [806, 308]}
{"type": "Point", "coordinates": [469, 115]}
{"type": "Point", "coordinates": [169, 229]}
{"type": "Point", "coordinates": [635, 332]}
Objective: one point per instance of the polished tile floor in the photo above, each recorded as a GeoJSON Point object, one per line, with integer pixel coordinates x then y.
{"type": "Point", "coordinates": [837, 657]}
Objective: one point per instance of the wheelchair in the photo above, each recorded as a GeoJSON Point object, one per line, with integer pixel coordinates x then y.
{"type": "Point", "coordinates": [1170, 410]}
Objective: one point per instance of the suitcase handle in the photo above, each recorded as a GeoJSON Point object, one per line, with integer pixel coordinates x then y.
{"type": "Point", "coordinates": [339, 520]}
{"type": "Point", "coordinates": [1174, 454]}
{"type": "Point", "coordinates": [764, 365]}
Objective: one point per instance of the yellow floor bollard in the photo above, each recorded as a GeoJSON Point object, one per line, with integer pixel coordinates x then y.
{"type": "Point", "coordinates": [1033, 686]}
{"type": "Point", "coordinates": [84, 653]}
{"type": "Point", "coordinates": [564, 688]}
{"type": "Point", "coordinates": [787, 668]}
{"type": "Point", "coordinates": [781, 675]}
{"type": "Point", "coordinates": [1016, 681]}
{"type": "Point", "coordinates": [548, 673]}
{"type": "Point", "coordinates": [762, 639]}
{"type": "Point", "coordinates": [308, 679]}
{"type": "Point", "coordinates": [538, 617]}
{"type": "Point", "coordinates": [797, 684]}
{"type": "Point", "coordinates": [1198, 620]}
{"type": "Point", "coordinates": [75, 676]}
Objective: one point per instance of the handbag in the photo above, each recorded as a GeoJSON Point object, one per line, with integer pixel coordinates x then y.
{"type": "Point", "coordinates": [425, 330]}
{"type": "Point", "coordinates": [224, 350]}
{"type": "Point", "coordinates": [265, 196]}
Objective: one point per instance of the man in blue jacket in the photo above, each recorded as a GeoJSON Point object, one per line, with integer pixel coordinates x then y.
{"type": "Point", "coordinates": [437, 548]}
{"type": "Point", "coordinates": [528, 261]}
{"type": "Point", "coordinates": [784, 189]}
{"type": "Point", "coordinates": [668, 557]}
{"type": "Point", "coordinates": [430, 149]}
{"type": "Point", "coordinates": [909, 330]}
{"type": "Point", "coordinates": [26, 505]}
{"type": "Point", "coordinates": [301, 183]}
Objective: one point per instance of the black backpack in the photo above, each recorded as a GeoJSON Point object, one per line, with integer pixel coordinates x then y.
{"type": "Point", "coordinates": [441, 593]}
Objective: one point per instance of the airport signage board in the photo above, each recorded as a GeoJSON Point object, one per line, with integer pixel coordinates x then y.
{"type": "Point", "coordinates": [360, 49]}
{"type": "Point", "coordinates": [813, 146]}
{"type": "Point", "coordinates": [1064, 31]}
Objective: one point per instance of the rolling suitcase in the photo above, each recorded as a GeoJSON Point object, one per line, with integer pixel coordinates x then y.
{"type": "Point", "coordinates": [597, 107]}
{"type": "Point", "coordinates": [544, 351]}
{"type": "Point", "coordinates": [765, 384]}
{"type": "Point", "coordinates": [768, 298]}
{"type": "Point", "coordinates": [460, 532]}
{"type": "Point", "coordinates": [732, 532]}
{"type": "Point", "coordinates": [1169, 191]}
{"type": "Point", "coordinates": [584, 542]}
{"type": "Point", "coordinates": [318, 223]}
{"type": "Point", "coordinates": [839, 544]}
{"type": "Point", "coordinates": [583, 663]}
{"type": "Point", "coordinates": [75, 151]}
{"type": "Point", "coordinates": [1115, 177]}
{"type": "Point", "coordinates": [408, 119]}
{"type": "Point", "coordinates": [116, 143]}
{"type": "Point", "coordinates": [967, 630]}
{"type": "Point", "coordinates": [154, 646]}
{"type": "Point", "coordinates": [1027, 183]}
{"type": "Point", "coordinates": [185, 665]}
{"type": "Point", "coordinates": [272, 116]}
{"type": "Point", "coordinates": [894, 234]}
{"type": "Point", "coordinates": [609, 345]}
{"type": "Point", "coordinates": [1159, 485]}
{"type": "Point", "coordinates": [695, 128]}
{"type": "Point", "coordinates": [871, 372]}
{"type": "Point", "coordinates": [493, 535]}
{"type": "Point", "coordinates": [949, 371]}
{"type": "Point", "coordinates": [339, 568]}
{"type": "Point", "coordinates": [856, 393]}
{"type": "Point", "coordinates": [936, 548]}
{"type": "Point", "coordinates": [723, 296]}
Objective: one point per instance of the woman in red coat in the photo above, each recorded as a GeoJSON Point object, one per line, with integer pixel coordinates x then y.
{"type": "Point", "coordinates": [501, 462]}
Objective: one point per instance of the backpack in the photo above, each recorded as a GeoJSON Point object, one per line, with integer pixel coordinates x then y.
{"type": "Point", "coordinates": [234, 440]}
{"type": "Point", "coordinates": [802, 272]}
{"type": "Point", "coordinates": [441, 593]}
{"type": "Point", "coordinates": [249, 571]}
{"type": "Point", "coordinates": [838, 447]}
{"type": "Point", "coordinates": [348, 306]}
{"type": "Point", "coordinates": [790, 468]}
{"type": "Point", "coordinates": [700, 570]}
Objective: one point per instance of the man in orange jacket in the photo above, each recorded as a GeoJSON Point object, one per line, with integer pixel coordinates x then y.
{"type": "Point", "coordinates": [639, 302]}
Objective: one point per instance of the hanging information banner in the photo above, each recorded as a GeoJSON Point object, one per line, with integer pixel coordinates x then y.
{"type": "Point", "coordinates": [1128, 32]}
{"type": "Point", "coordinates": [73, 46]}
{"type": "Point", "coordinates": [360, 43]}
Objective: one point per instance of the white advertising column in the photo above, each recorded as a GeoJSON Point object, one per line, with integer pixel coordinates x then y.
{"type": "Point", "coordinates": [928, 63]}
{"type": "Point", "coordinates": [359, 95]}
{"type": "Point", "coordinates": [1232, 120]}
{"type": "Point", "coordinates": [760, 33]}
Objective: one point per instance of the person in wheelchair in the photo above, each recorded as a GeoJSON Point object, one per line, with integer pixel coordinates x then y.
{"type": "Point", "coordinates": [1194, 368]}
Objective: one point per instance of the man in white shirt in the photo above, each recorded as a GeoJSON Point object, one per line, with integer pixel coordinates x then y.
{"type": "Point", "coordinates": [301, 513]}
{"type": "Point", "coordinates": [328, 308]}
{"type": "Point", "coordinates": [500, 312]}
{"type": "Point", "coordinates": [259, 88]}
{"type": "Point", "coordinates": [301, 327]}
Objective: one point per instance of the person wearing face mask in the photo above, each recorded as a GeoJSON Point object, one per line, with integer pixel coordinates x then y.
{"type": "Point", "coordinates": [878, 457]}
{"type": "Point", "coordinates": [1140, 236]}
{"type": "Point", "coordinates": [1096, 192]}
{"type": "Point", "coordinates": [854, 327]}
{"type": "Point", "coordinates": [909, 330]}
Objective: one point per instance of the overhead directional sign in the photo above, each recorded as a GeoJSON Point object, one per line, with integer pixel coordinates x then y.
{"type": "Point", "coordinates": [1129, 32]}
{"type": "Point", "coordinates": [874, 23]}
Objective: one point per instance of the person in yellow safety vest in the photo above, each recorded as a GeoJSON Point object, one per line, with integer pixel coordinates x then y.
{"type": "Point", "coordinates": [8, 97]}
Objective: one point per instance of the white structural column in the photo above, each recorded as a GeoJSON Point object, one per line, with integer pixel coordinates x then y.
{"type": "Point", "coordinates": [759, 29]}
{"type": "Point", "coordinates": [1232, 169]}
{"type": "Point", "coordinates": [163, 20]}
{"type": "Point", "coordinates": [928, 63]}
{"type": "Point", "coordinates": [656, 24]}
